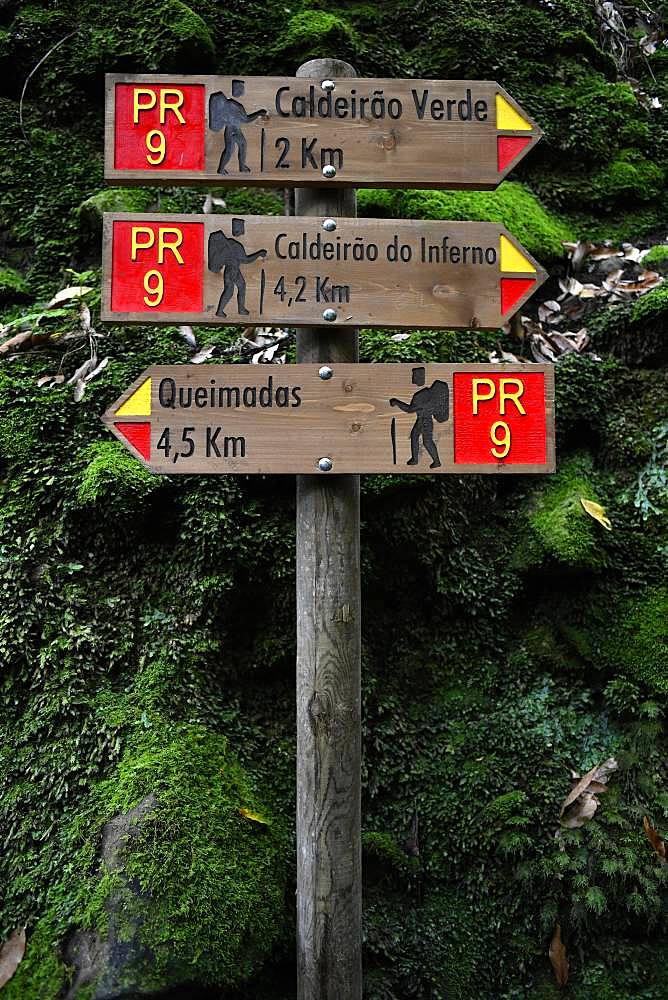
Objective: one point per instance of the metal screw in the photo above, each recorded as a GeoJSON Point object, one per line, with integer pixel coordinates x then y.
{"type": "Point", "coordinates": [329, 171]}
{"type": "Point", "coordinates": [329, 315]}
{"type": "Point", "coordinates": [329, 225]}
{"type": "Point", "coordinates": [325, 372]}
{"type": "Point", "coordinates": [325, 464]}
{"type": "Point", "coordinates": [327, 85]}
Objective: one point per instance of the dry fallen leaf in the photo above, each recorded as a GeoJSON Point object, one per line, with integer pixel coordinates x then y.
{"type": "Point", "coordinates": [16, 342]}
{"type": "Point", "coordinates": [558, 957]}
{"type": "Point", "coordinates": [11, 954]}
{"type": "Point", "coordinates": [65, 294]}
{"type": "Point", "coordinates": [204, 354]}
{"type": "Point", "coordinates": [548, 312]}
{"type": "Point", "coordinates": [49, 381]}
{"type": "Point", "coordinates": [597, 512]}
{"type": "Point", "coordinates": [581, 803]}
{"type": "Point", "coordinates": [256, 817]}
{"type": "Point", "coordinates": [655, 839]}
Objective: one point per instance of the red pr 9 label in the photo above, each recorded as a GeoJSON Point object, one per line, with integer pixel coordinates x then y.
{"type": "Point", "coordinates": [159, 126]}
{"type": "Point", "coordinates": [499, 418]}
{"type": "Point", "coordinates": [157, 267]}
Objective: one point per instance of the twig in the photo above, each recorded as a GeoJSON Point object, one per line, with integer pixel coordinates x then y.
{"type": "Point", "coordinates": [32, 72]}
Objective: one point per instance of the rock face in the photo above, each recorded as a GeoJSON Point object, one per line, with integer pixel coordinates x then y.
{"type": "Point", "coordinates": [108, 963]}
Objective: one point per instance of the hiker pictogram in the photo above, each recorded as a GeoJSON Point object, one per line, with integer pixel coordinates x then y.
{"type": "Point", "coordinates": [229, 114]}
{"type": "Point", "coordinates": [229, 255]}
{"type": "Point", "coordinates": [429, 403]}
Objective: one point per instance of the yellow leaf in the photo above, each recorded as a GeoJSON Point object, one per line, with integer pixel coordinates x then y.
{"type": "Point", "coordinates": [249, 814]}
{"type": "Point", "coordinates": [597, 512]}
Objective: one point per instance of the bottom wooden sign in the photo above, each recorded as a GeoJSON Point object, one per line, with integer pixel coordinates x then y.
{"type": "Point", "coordinates": [351, 418]}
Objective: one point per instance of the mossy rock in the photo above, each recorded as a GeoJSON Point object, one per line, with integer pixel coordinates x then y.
{"type": "Point", "coordinates": [312, 34]}
{"type": "Point", "coordinates": [191, 885]}
{"type": "Point", "coordinates": [112, 199]}
{"type": "Point", "coordinates": [13, 286]}
{"type": "Point", "coordinates": [512, 204]}
{"type": "Point", "coordinates": [657, 259]}
{"type": "Point", "coordinates": [558, 528]}
{"type": "Point", "coordinates": [632, 637]}
{"type": "Point", "coordinates": [112, 476]}
{"type": "Point", "coordinates": [634, 332]}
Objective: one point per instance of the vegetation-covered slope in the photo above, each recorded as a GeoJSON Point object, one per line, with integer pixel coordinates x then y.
{"type": "Point", "coordinates": [147, 624]}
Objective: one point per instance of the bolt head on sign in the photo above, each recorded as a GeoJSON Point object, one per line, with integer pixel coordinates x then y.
{"type": "Point", "coordinates": [298, 272]}
{"type": "Point", "coordinates": [238, 419]}
{"type": "Point", "coordinates": [284, 131]}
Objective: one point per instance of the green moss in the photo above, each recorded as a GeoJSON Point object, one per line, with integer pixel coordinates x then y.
{"type": "Point", "coordinates": [512, 204]}
{"type": "Point", "coordinates": [633, 638]}
{"type": "Point", "coordinates": [560, 528]}
{"type": "Point", "coordinates": [657, 256]}
{"type": "Point", "coordinates": [384, 848]}
{"type": "Point", "coordinates": [236, 867]}
{"type": "Point", "coordinates": [201, 885]}
{"type": "Point", "coordinates": [13, 286]}
{"type": "Point", "coordinates": [253, 201]}
{"type": "Point", "coordinates": [506, 809]}
{"type": "Point", "coordinates": [113, 199]}
{"type": "Point", "coordinates": [113, 475]}
{"type": "Point", "coordinates": [310, 34]}
{"type": "Point", "coordinates": [652, 306]}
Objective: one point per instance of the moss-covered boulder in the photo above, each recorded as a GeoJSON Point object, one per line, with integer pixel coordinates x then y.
{"type": "Point", "coordinates": [559, 529]}
{"type": "Point", "coordinates": [185, 878]}
{"type": "Point", "coordinates": [13, 286]}
{"type": "Point", "coordinates": [512, 204]}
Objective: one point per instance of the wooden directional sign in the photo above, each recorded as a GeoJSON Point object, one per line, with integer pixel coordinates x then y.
{"type": "Point", "coordinates": [305, 271]}
{"type": "Point", "coordinates": [295, 131]}
{"type": "Point", "coordinates": [346, 418]}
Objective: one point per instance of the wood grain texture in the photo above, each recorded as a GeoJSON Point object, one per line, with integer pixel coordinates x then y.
{"type": "Point", "coordinates": [366, 418]}
{"type": "Point", "coordinates": [423, 273]}
{"type": "Point", "coordinates": [417, 133]}
{"type": "Point", "coordinates": [329, 739]}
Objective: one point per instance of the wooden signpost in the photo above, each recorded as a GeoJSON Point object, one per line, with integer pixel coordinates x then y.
{"type": "Point", "coordinates": [310, 131]}
{"type": "Point", "coordinates": [300, 271]}
{"type": "Point", "coordinates": [327, 418]}
{"type": "Point", "coordinates": [342, 418]}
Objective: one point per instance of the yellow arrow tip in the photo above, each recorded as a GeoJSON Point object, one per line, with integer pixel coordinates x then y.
{"type": "Point", "coordinates": [138, 404]}
{"type": "Point", "coordinates": [513, 259]}
{"type": "Point", "coordinates": [508, 118]}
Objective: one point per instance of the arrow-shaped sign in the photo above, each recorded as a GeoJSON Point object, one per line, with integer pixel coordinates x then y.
{"type": "Point", "coordinates": [220, 419]}
{"type": "Point", "coordinates": [305, 271]}
{"type": "Point", "coordinates": [285, 131]}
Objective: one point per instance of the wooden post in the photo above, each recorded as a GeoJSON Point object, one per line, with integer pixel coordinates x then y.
{"type": "Point", "coordinates": [329, 890]}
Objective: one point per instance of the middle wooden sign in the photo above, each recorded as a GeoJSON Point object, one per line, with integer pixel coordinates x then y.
{"type": "Point", "coordinates": [305, 271]}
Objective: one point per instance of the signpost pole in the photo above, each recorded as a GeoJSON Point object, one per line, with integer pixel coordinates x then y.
{"type": "Point", "coordinates": [329, 889]}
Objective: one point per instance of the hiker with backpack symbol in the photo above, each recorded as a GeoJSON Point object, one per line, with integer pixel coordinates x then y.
{"type": "Point", "coordinates": [428, 404]}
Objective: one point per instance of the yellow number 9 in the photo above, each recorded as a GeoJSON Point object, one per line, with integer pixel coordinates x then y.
{"type": "Point", "coordinates": [500, 435]}
{"type": "Point", "coordinates": [157, 149]}
{"type": "Point", "coordinates": [155, 290]}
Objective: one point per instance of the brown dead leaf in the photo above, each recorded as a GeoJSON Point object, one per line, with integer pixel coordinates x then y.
{"type": "Point", "coordinates": [558, 957]}
{"type": "Point", "coordinates": [581, 803]}
{"type": "Point", "coordinates": [655, 839]}
{"type": "Point", "coordinates": [11, 955]}
{"type": "Point", "coordinates": [17, 342]}
{"type": "Point", "coordinates": [49, 381]}
{"type": "Point", "coordinates": [549, 312]}
{"type": "Point", "coordinates": [645, 282]}
{"type": "Point", "coordinates": [597, 512]}
{"type": "Point", "coordinates": [604, 252]}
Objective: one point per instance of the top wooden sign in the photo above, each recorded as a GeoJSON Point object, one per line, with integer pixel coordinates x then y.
{"type": "Point", "coordinates": [283, 131]}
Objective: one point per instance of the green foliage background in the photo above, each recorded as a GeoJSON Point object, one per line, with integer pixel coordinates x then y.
{"type": "Point", "coordinates": [147, 624]}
